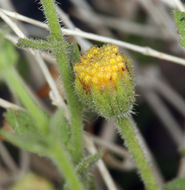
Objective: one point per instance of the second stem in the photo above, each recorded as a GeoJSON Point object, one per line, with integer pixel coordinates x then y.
{"type": "Point", "coordinates": [129, 134]}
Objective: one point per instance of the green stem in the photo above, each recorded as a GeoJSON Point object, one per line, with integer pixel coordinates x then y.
{"type": "Point", "coordinates": [65, 167]}
{"type": "Point", "coordinates": [16, 84]}
{"type": "Point", "coordinates": [75, 108]}
{"type": "Point", "coordinates": [53, 23]}
{"type": "Point", "coordinates": [129, 134]}
{"type": "Point", "coordinates": [67, 77]}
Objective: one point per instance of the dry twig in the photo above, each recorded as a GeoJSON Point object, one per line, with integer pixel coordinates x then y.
{"type": "Point", "coordinates": [101, 166]}
{"type": "Point", "coordinates": [140, 49]}
{"type": "Point", "coordinates": [179, 5]}
{"type": "Point", "coordinates": [40, 62]}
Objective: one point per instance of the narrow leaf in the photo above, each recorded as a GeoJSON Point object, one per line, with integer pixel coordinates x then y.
{"type": "Point", "coordinates": [88, 162]}
{"type": "Point", "coordinates": [36, 44]}
{"type": "Point", "coordinates": [59, 126]}
{"type": "Point", "coordinates": [20, 121]}
{"type": "Point", "coordinates": [177, 184]}
{"type": "Point", "coordinates": [180, 21]}
{"type": "Point", "coordinates": [74, 54]}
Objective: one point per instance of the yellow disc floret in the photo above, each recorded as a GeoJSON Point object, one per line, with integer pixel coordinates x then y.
{"type": "Point", "coordinates": [101, 67]}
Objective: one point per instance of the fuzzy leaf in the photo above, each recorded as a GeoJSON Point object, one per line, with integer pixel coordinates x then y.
{"type": "Point", "coordinates": [59, 126]}
{"type": "Point", "coordinates": [88, 162]}
{"type": "Point", "coordinates": [180, 21]}
{"type": "Point", "coordinates": [74, 54]}
{"type": "Point", "coordinates": [83, 169]}
{"type": "Point", "coordinates": [20, 121]}
{"type": "Point", "coordinates": [177, 184]}
{"type": "Point", "coordinates": [26, 134]}
{"type": "Point", "coordinates": [27, 142]}
{"type": "Point", "coordinates": [8, 54]}
{"type": "Point", "coordinates": [39, 44]}
{"type": "Point", "coordinates": [36, 44]}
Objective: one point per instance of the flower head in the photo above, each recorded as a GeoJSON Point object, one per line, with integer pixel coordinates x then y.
{"type": "Point", "coordinates": [104, 80]}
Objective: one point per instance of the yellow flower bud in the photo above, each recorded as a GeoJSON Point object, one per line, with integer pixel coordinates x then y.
{"type": "Point", "coordinates": [104, 80]}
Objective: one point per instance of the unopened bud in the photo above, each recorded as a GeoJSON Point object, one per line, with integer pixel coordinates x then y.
{"type": "Point", "coordinates": [104, 81]}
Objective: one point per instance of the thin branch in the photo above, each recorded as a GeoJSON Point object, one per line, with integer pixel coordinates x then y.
{"type": "Point", "coordinates": [24, 161]}
{"type": "Point", "coordinates": [82, 4]}
{"type": "Point", "coordinates": [98, 24]}
{"type": "Point", "coordinates": [121, 24]}
{"type": "Point", "coordinates": [39, 59]}
{"type": "Point", "coordinates": [160, 20]}
{"type": "Point", "coordinates": [65, 19]}
{"type": "Point", "coordinates": [23, 18]}
{"type": "Point", "coordinates": [162, 112]}
{"type": "Point", "coordinates": [7, 158]}
{"type": "Point", "coordinates": [168, 3]}
{"type": "Point", "coordinates": [101, 166]}
{"type": "Point", "coordinates": [140, 49]}
{"type": "Point", "coordinates": [152, 79]}
{"type": "Point", "coordinates": [8, 105]}
{"type": "Point", "coordinates": [116, 149]}
{"type": "Point", "coordinates": [12, 25]}
{"type": "Point", "coordinates": [179, 5]}
{"type": "Point", "coordinates": [181, 167]}
{"type": "Point", "coordinates": [6, 4]}
{"type": "Point", "coordinates": [171, 95]}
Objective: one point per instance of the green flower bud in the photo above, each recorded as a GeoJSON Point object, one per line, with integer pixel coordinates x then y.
{"type": "Point", "coordinates": [104, 81]}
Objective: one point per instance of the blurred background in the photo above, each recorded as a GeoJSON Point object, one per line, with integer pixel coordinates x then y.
{"type": "Point", "coordinates": [160, 107]}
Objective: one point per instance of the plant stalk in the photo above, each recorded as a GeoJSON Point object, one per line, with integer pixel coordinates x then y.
{"type": "Point", "coordinates": [129, 134]}
{"type": "Point", "coordinates": [67, 77]}
{"type": "Point", "coordinates": [75, 108]}
{"type": "Point", "coordinates": [61, 159]}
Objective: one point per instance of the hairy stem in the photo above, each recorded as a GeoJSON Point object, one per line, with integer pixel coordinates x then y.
{"type": "Point", "coordinates": [51, 16]}
{"type": "Point", "coordinates": [75, 110]}
{"type": "Point", "coordinates": [129, 134]}
{"type": "Point", "coordinates": [61, 159]}
{"type": "Point", "coordinates": [67, 77]}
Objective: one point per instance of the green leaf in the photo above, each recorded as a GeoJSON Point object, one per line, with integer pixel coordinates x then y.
{"type": "Point", "coordinates": [27, 142]}
{"type": "Point", "coordinates": [59, 126]}
{"type": "Point", "coordinates": [73, 54]}
{"type": "Point", "coordinates": [8, 54]}
{"type": "Point", "coordinates": [20, 121]}
{"type": "Point", "coordinates": [177, 184]}
{"type": "Point", "coordinates": [88, 162]}
{"type": "Point", "coordinates": [26, 134]}
{"type": "Point", "coordinates": [180, 21]}
{"type": "Point", "coordinates": [84, 170]}
{"type": "Point", "coordinates": [38, 44]}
